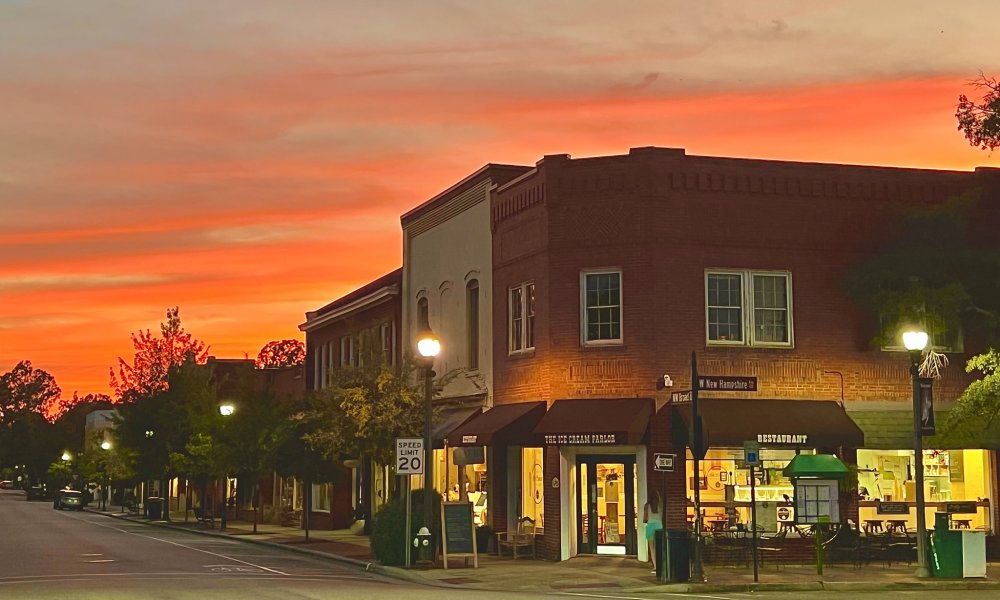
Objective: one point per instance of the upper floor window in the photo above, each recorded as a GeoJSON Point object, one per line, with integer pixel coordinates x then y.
{"type": "Point", "coordinates": [521, 311]}
{"type": "Point", "coordinates": [472, 322]}
{"type": "Point", "coordinates": [386, 334]}
{"type": "Point", "coordinates": [602, 307]}
{"type": "Point", "coordinates": [749, 308]}
{"type": "Point", "coordinates": [423, 315]}
{"type": "Point", "coordinates": [346, 351]}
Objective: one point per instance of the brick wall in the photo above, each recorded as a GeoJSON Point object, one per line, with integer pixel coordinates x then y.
{"type": "Point", "coordinates": [550, 545]}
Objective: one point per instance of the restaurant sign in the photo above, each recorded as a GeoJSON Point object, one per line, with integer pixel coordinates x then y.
{"type": "Point", "coordinates": [783, 438]}
{"type": "Point", "coordinates": [581, 439]}
{"type": "Point", "coordinates": [961, 508]}
{"type": "Point", "coordinates": [892, 508]}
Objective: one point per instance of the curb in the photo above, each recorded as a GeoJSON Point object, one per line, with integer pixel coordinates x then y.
{"type": "Point", "coordinates": [368, 567]}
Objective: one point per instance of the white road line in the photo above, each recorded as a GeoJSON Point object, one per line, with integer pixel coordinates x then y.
{"type": "Point", "coordinates": [92, 554]}
{"type": "Point", "coordinates": [102, 560]}
{"type": "Point", "coordinates": [178, 544]}
{"type": "Point", "coordinates": [680, 595]}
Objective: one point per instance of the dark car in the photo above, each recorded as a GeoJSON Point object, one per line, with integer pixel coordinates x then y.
{"type": "Point", "coordinates": [71, 499]}
{"type": "Point", "coordinates": [37, 492]}
{"type": "Point", "coordinates": [6, 484]}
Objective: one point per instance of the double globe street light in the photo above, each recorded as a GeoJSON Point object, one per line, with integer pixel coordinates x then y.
{"type": "Point", "coordinates": [915, 342]}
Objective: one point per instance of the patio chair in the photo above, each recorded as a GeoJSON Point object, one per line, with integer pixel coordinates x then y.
{"type": "Point", "coordinates": [523, 537]}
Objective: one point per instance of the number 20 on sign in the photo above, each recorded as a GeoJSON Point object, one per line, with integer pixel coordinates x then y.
{"type": "Point", "coordinates": [409, 456]}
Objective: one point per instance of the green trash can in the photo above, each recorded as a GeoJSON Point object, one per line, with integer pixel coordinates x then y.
{"type": "Point", "coordinates": [154, 508]}
{"type": "Point", "coordinates": [674, 549]}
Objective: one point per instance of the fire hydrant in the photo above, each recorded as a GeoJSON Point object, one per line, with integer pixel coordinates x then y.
{"type": "Point", "coordinates": [423, 546]}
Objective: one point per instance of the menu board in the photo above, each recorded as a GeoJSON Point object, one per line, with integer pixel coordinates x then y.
{"type": "Point", "coordinates": [893, 508]}
{"type": "Point", "coordinates": [956, 466]}
{"type": "Point", "coordinates": [457, 531]}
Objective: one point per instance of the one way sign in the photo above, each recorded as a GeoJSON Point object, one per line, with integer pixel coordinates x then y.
{"type": "Point", "coordinates": [664, 462]}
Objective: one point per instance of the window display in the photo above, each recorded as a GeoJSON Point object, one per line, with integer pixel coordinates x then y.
{"type": "Point", "coordinates": [532, 485]}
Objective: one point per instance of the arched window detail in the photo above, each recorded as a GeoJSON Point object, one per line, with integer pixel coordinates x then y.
{"type": "Point", "coordinates": [472, 323]}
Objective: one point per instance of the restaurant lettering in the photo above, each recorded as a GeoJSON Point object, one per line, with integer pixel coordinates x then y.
{"type": "Point", "coordinates": [582, 439]}
{"type": "Point", "coordinates": [782, 438]}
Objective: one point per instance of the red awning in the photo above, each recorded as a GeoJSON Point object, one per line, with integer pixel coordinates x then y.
{"type": "Point", "coordinates": [502, 425]}
{"type": "Point", "coordinates": [595, 422]}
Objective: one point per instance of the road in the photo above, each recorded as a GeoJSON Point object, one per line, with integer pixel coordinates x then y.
{"type": "Point", "coordinates": [46, 553]}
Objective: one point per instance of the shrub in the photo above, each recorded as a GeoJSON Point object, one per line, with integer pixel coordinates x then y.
{"type": "Point", "coordinates": [388, 536]}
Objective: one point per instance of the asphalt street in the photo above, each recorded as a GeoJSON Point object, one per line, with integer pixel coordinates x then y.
{"type": "Point", "coordinates": [45, 553]}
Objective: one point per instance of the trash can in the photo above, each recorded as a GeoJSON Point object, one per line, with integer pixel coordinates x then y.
{"type": "Point", "coordinates": [678, 555]}
{"type": "Point", "coordinates": [154, 508]}
{"type": "Point", "coordinates": [423, 546]}
{"type": "Point", "coordinates": [957, 553]}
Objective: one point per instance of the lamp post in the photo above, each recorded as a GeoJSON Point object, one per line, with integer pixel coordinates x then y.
{"type": "Point", "coordinates": [226, 409]}
{"type": "Point", "coordinates": [915, 342]}
{"type": "Point", "coordinates": [105, 446]}
{"type": "Point", "coordinates": [428, 346]}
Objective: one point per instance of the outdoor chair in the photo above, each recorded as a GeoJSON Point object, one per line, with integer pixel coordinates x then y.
{"type": "Point", "coordinates": [523, 538]}
{"type": "Point", "coordinates": [204, 518]}
{"type": "Point", "coordinates": [771, 547]}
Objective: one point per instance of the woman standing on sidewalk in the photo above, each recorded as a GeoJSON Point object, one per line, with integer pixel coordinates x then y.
{"type": "Point", "coordinates": [652, 519]}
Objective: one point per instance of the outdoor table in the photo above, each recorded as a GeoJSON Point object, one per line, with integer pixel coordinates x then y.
{"type": "Point", "coordinates": [894, 525]}
{"type": "Point", "coordinates": [873, 525]}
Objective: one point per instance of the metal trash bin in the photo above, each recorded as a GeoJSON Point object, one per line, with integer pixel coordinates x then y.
{"type": "Point", "coordinates": [673, 549]}
{"type": "Point", "coordinates": [154, 508]}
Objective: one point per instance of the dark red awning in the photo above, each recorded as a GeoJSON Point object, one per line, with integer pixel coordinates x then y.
{"type": "Point", "coordinates": [595, 422]}
{"type": "Point", "coordinates": [502, 425]}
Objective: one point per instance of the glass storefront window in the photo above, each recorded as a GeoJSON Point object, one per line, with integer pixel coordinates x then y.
{"type": "Point", "coordinates": [725, 488]}
{"type": "Point", "coordinates": [886, 476]}
{"type": "Point", "coordinates": [532, 485]}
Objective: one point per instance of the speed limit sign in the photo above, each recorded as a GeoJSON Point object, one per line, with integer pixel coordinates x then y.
{"type": "Point", "coordinates": [409, 456]}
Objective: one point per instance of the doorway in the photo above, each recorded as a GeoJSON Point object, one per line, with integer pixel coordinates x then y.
{"type": "Point", "coordinates": [605, 494]}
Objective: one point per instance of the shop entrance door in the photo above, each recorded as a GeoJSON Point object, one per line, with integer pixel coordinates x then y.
{"type": "Point", "coordinates": [605, 495]}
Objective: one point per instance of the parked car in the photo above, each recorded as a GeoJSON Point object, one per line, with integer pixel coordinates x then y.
{"type": "Point", "coordinates": [37, 492]}
{"type": "Point", "coordinates": [68, 499]}
{"type": "Point", "coordinates": [6, 484]}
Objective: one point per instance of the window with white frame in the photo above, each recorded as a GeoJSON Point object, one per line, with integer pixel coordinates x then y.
{"type": "Point", "coordinates": [521, 321]}
{"type": "Point", "coordinates": [748, 308]}
{"type": "Point", "coordinates": [601, 305]}
{"type": "Point", "coordinates": [472, 323]}
{"type": "Point", "coordinates": [346, 351]}
{"type": "Point", "coordinates": [321, 493]}
{"type": "Point", "coordinates": [816, 501]}
{"type": "Point", "coordinates": [386, 335]}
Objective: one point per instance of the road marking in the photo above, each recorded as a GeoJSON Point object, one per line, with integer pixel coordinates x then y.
{"type": "Point", "coordinates": [102, 560]}
{"type": "Point", "coordinates": [98, 554]}
{"type": "Point", "coordinates": [275, 571]}
{"type": "Point", "coordinates": [678, 594]}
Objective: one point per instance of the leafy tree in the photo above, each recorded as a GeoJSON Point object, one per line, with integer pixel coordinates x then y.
{"type": "Point", "coordinates": [978, 407]}
{"type": "Point", "coordinates": [59, 475]}
{"type": "Point", "coordinates": [147, 374]}
{"type": "Point", "coordinates": [931, 273]}
{"type": "Point", "coordinates": [26, 389]}
{"type": "Point", "coordinates": [979, 120]}
{"type": "Point", "coordinates": [281, 353]}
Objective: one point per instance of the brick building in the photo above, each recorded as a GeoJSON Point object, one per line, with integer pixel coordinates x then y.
{"type": "Point", "coordinates": [610, 271]}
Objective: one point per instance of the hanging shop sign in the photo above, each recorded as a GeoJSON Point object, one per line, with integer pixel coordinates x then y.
{"type": "Point", "coordinates": [581, 439]}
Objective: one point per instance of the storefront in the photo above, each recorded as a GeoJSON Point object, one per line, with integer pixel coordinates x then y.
{"type": "Point", "coordinates": [959, 474]}
{"type": "Point", "coordinates": [783, 428]}
{"type": "Point", "coordinates": [599, 444]}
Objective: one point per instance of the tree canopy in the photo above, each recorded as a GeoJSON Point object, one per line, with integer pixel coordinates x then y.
{"type": "Point", "coordinates": [979, 118]}
{"type": "Point", "coordinates": [26, 389]}
{"type": "Point", "coordinates": [281, 353]}
{"type": "Point", "coordinates": [146, 374]}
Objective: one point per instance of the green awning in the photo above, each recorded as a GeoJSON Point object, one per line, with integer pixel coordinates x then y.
{"type": "Point", "coordinates": [893, 430]}
{"type": "Point", "coordinates": [826, 466]}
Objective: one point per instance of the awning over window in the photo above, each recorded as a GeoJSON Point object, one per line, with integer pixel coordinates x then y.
{"type": "Point", "coordinates": [893, 430]}
{"type": "Point", "coordinates": [826, 466]}
{"type": "Point", "coordinates": [595, 422]}
{"type": "Point", "coordinates": [449, 419]}
{"type": "Point", "coordinates": [502, 425]}
{"type": "Point", "coordinates": [788, 423]}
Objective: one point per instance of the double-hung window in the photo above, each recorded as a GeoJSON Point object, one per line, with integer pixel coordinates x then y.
{"type": "Point", "coordinates": [601, 307]}
{"type": "Point", "coordinates": [748, 308]}
{"type": "Point", "coordinates": [346, 351]}
{"type": "Point", "coordinates": [521, 321]}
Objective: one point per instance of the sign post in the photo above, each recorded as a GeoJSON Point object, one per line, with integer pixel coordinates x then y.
{"type": "Point", "coordinates": [665, 464]}
{"type": "Point", "coordinates": [751, 455]}
{"type": "Point", "coordinates": [409, 461]}
{"type": "Point", "coordinates": [697, 452]}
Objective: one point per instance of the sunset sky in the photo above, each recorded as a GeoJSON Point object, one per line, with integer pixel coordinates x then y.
{"type": "Point", "coordinates": [249, 160]}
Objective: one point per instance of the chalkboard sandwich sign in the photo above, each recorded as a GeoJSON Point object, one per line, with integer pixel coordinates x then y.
{"type": "Point", "coordinates": [457, 532]}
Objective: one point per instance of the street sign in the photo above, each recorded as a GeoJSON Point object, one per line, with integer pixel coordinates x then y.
{"type": "Point", "coordinates": [721, 383]}
{"type": "Point", "coordinates": [664, 462]}
{"type": "Point", "coordinates": [751, 453]}
{"type": "Point", "coordinates": [682, 397]}
{"type": "Point", "coordinates": [409, 456]}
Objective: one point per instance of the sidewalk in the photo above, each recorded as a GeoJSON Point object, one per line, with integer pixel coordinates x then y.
{"type": "Point", "coordinates": [579, 574]}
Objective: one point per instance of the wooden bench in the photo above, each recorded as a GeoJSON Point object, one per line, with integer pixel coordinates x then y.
{"type": "Point", "coordinates": [523, 537]}
{"type": "Point", "coordinates": [204, 519]}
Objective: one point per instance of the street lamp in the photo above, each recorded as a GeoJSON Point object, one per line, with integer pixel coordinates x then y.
{"type": "Point", "coordinates": [428, 346]}
{"type": "Point", "coordinates": [226, 409]}
{"type": "Point", "coordinates": [915, 342]}
{"type": "Point", "coordinates": [66, 456]}
{"type": "Point", "coordinates": [105, 446]}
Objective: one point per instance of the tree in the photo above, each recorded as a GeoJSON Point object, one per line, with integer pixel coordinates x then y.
{"type": "Point", "coordinates": [147, 374]}
{"type": "Point", "coordinates": [978, 407]}
{"type": "Point", "coordinates": [979, 121]}
{"type": "Point", "coordinates": [26, 389]}
{"type": "Point", "coordinates": [281, 353]}
{"type": "Point", "coordinates": [931, 273]}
